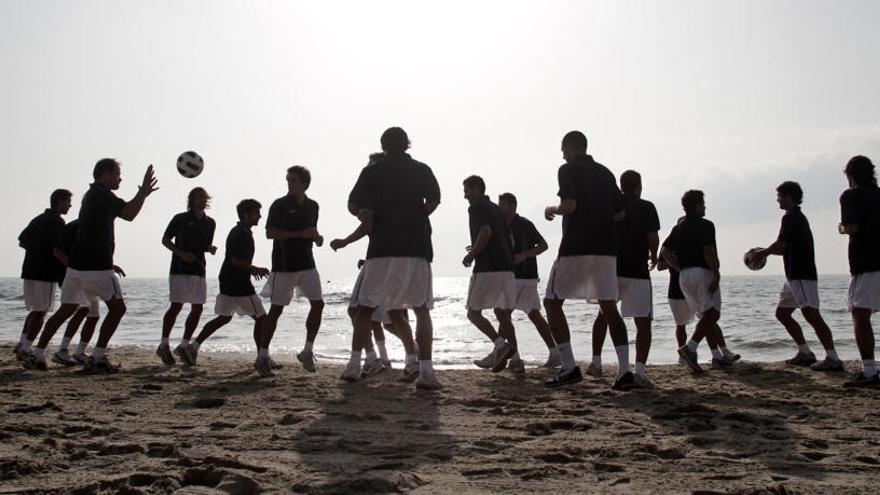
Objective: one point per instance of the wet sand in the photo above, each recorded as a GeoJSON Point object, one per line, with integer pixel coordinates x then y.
{"type": "Point", "coordinates": [218, 428]}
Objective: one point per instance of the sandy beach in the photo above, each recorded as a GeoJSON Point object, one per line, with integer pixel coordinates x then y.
{"type": "Point", "coordinates": [217, 428]}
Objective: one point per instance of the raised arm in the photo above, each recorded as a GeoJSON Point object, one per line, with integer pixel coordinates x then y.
{"type": "Point", "coordinates": [148, 186]}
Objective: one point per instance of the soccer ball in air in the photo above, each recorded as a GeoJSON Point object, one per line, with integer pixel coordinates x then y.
{"type": "Point", "coordinates": [190, 164]}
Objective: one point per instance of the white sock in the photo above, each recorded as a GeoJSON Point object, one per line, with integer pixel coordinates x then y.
{"type": "Point", "coordinates": [371, 356]}
{"type": "Point", "coordinates": [40, 353]}
{"type": "Point", "coordinates": [81, 349]}
{"type": "Point", "coordinates": [565, 352]}
{"type": "Point", "coordinates": [412, 358]}
{"type": "Point", "coordinates": [597, 361]}
{"type": "Point", "coordinates": [640, 368]}
{"type": "Point", "coordinates": [622, 359]}
{"type": "Point", "coordinates": [355, 358]}
{"type": "Point", "coordinates": [195, 345]}
{"type": "Point", "coordinates": [554, 351]}
{"type": "Point", "coordinates": [383, 353]}
{"type": "Point", "coordinates": [831, 354]}
{"type": "Point", "coordinates": [165, 341]}
{"type": "Point", "coordinates": [26, 346]}
{"type": "Point", "coordinates": [65, 343]}
{"type": "Point", "coordinates": [692, 345]}
{"type": "Point", "coordinates": [97, 353]}
{"type": "Point", "coordinates": [307, 347]}
{"type": "Point", "coordinates": [499, 342]}
{"type": "Point", "coordinates": [263, 353]}
{"type": "Point", "coordinates": [426, 369]}
{"type": "Point", "coordinates": [869, 367]}
{"type": "Point", "coordinates": [804, 348]}
{"type": "Point", "coordinates": [185, 341]}
{"type": "Point", "coordinates": [716, 353]}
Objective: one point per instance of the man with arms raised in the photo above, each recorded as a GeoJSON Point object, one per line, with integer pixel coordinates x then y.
{"type": "Point", "coordinates": [90, 272]}
{"type": "Point", "coordinates": [492, 282]}
{"type": "Point", "coordinates": [586, 268]}
{"type": "Point", "coordinates": [293, 227]}
{"type": "Point", "coordinates": [396, 195]}
{"type": "Point", "coordinates": [801, 288]}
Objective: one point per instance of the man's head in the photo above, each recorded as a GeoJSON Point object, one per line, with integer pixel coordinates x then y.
{"type": "Point", "coordinates": [107, 173]}
{"type": "Point", "coordinates": [631, 183]}
{"type": "Point", "coordinates": [507, 203]}
{"type": "Point", "coordinates": [474, 188]}
{"type": "Point", "coordinates": [298, 179]}
{"type": "Point", "coordinates": [789, 195]}
{"type": "Point", "coordinates": [394, 140]}
{"type": "Point", "coordinates": [694, 203]}
{"type": "Point", "coordinates": [860, 171]}
{"type": "Point", "coordinates": [198, 199]}
{"type": "Point", "coordinates": [60, 201]}
{"type": "Point", "coordinates": [249, 212]}
{"type": "Point", "coordinates": [573, 144]}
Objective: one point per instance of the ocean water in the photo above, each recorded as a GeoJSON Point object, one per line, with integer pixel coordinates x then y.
{"type": "Point", "coordinates": [748, 320]}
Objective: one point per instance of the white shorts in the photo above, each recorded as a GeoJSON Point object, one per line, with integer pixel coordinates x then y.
{"type": "Point", "coordinates": [636, 297]}
{"type": "Point", "coordinates": [864, 291]}
{"type": "Point", "coordinates": [39, 295]}
{"type": "Point", "coordinates": [681, 312]}
{"type": "Point", "coordinates": [527, 298]}
{"type": "Point", "coordinates": [799, 294]}
{"type": "Point", "coordinates": [187, 289]}
{"type": "Point", "coordinates": [241, 305]}
{"type": "Point", "coordinates": [694, 282]}
{"type": "Point", "coordinates": [80, 287]}
{"type": "Point", "coordinates": [380, 316]}
{"type": "Point", "coordinates": [589, 277]}
{"type": "Point", "coordinates": [94, 307]}
{"type": "Point", "coordinates": [394, 283]}
{"type": "Point", "coordinates": [281, 286]}
{"type": "Point", "coordinates": [490, 290]}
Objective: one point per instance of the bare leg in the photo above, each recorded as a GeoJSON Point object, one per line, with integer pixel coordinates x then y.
{"type": "Point", "coordinates": [864, 333]}
{"type": "Point", "coordinates": [543, 328]}
{"type": "Point", "coordinates": [476, 317]}
{"type": "Point", "coordinates": [54, 323]}
{"type": "Point", "coordinates": [556, 320]}
{"type": "Point", "coordinates": [361, 338]}
{"type": "Point", "coordinates": [616, 326]}
{"type": "Point", "coordinates": [378, 333]}
{"type": "Point", "coordinates": [784, 317]}
{"type": "Point", "coordinates": [814, 318]}
{"type": "Point", "coordinates": [403, 330]}
{"type": "Point", "coordinates": [313, 321]}
{"type": "Point", "coordinates": [681, 335]}
{"type": "Point", "coordinates": [643, 338]}
{"type": "Point", "coordinates": [214, 325]}
{"type": "Point", "coordinates": [192, 321]}
{"type": "Point", "coordinates": [600, 328]}
{"type": "Point", "coordinates": [75, 322]}
{"type": "Point", "coordinates": [34, 322]}
{"type": "Point", "coordinates": [88, 330]}
{"type": "Point", "coordinates": [115, 312]}
{"type": "Point", "coordinates": [170, 318]}
{"type": "Point", "coordinates": [505, 326]}
{"type": "Point", "coordinates": [424, 332]}
{"type": "Point", "coordinates": [268, 327]}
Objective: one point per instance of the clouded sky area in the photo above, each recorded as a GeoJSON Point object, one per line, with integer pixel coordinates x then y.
{"type": "Point", "coordinates": [728, 97]}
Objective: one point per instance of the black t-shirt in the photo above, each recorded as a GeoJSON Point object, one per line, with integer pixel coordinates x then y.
{"type": "Point", "coordinates": [292, 255]}
{"type": "Point", "coordinates": [95, 243]}
{"type": "Point", "coordinates": [632, 237]}
{"type": "Point", "coordinates": [674, 291]}
{"type": "Point", "coordinates": [193, 235]}
{"type": "Point", "coordinates": [688, 239]}
{"type": "Point", "coordinates": [239, 244]}
{"type": "Point", "coordinates": [861, 206]}
{"type": "Point", "coordinates": [397, 189]}
{"type": "Point", "coordinates": [497, 255]}
{"type": "Point", "coordinates": [66, 239]}
{"type": "Point", "coordinates": [525, 238]}
{"type": "Point", "coordinates": [38, 240]}
{"type": "Point", "coordinates": [798, 258]}
{"type": "Point", "coordinates": [589, 230]}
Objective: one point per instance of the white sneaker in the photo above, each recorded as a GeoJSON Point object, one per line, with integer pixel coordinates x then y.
{"type": "Point", "coordinates": [641, 381]}
{"type": "Point", "coordinates": [352, 372]}
{"type": "Point", "coordinates": [517, 366]}
{"type": "Point", "coordinates": [428, 382]}
{"type": "Point", "coordinates": [63, 358]}
{"type": "Point", "coordinates": [594, 370]}
{"type": "Point", "coordinates": [371, 368]}
{"type": "Point", "coordinates": [307, 358]}
{"type": "Point", "coordinates": [264, 367]}
{"type": "Point", "coordinates": [488, 361]}
{"type": "Point", "coordinates": [189, 354]}
{"type": "Point", "coordinates": [410, 373]}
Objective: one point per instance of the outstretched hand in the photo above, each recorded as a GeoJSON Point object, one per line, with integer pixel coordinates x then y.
{"type": "Point", "coordinates": [148, 186]}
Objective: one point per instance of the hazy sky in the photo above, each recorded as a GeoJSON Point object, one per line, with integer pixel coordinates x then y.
{"type": "Point", "coordinates": [728, 97]}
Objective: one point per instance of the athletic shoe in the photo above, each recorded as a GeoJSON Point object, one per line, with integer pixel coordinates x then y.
{"type": "Point", "coordinates": [690, 359]}
{"type": "Point", "coordinates": [63, 358]}
{"type": "Point", "coordinates": [21, 354]}
{"type": "Point", "coordinates": [179, 351]}
{"type": "Point", "coordinates": [273, 365]}
{"type": "Point", "coordinates": [488, 361]}
{"type": "Point", "coordinates": [352, 372]}
{"type": "Point", "coordinates": [429, 382]}
{"type": "Point", "coordinates": [164, 353]}
{"type": "Point", "coordinates": [386, 363]}
{"type": "Point", "coordinates": [410, 373]}
{"type": "Point", "coordinates": [80, 358]}
{"type": "Point", "coordinates": [264, 367]}
{"type": "Point", "coordinates": [828, 364]}
{"type": "Point", "coordinates": [100, 366]}
{"type": "Point", "coordinates": [641, 381]}
{"type": "Point", "coordinates": [553, 361]}
{"type": "Point", "coordinates": [720, 364]}
{"type": "Point", "coordinates": [861, 381]}
{"type": "Point", "coordinates": [563, 377]}
{"type": "Point", "coordinates": [307, 358]}
{"type": "Point", "coordinates": [681, 361]}
{"type": "Point", "coordinates": [730, 357]}
{"type": "Point", "coordinates": [594, 370]}
{"type": "Point", "coordinates": [502, 356]}
{"type": "Point", "coordinates": [33, 363]}
{"type": "Point", "coordinates": [188, 354]}
{"type": "Point", "coordinates": [517, 366]}
{"type": "Point", "coordinates": [371, 368]}
{"type": "Point", "coordinates": [625, 382]}
{"type": "Point", "coordinates": [802, 359]}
